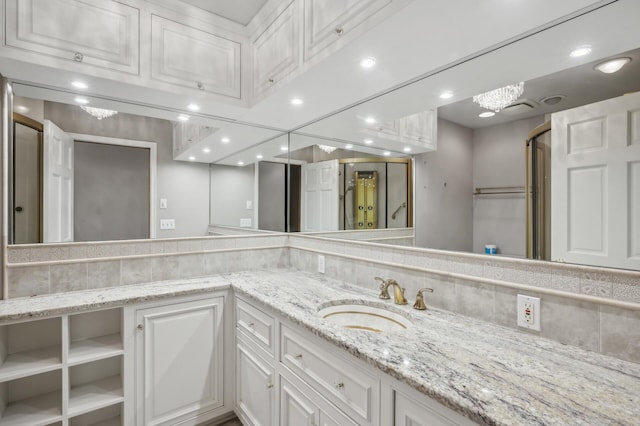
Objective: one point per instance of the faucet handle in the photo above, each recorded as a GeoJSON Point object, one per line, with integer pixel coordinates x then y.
{"type": "Point", "coordinates": [384, 288]}
{"type": "Point", "coordinates": [420, 299]}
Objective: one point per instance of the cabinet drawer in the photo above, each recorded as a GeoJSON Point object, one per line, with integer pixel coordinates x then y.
{"type": "Point", "coordinates": [348, 387]}
{"type": "Point", "coordinates": [256, 324]}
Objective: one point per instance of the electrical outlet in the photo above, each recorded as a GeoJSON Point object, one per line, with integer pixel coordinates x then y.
{"type": "Point", "coordinates": [321, 264]}
{"type": "Point", "coordinates": [528, 311]}
{"type": "Point", "coordinates": [245, 223]}
{"type": "Point", "coordinates": [167, 224]}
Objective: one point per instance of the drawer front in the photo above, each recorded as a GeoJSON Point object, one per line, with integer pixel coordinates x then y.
{"type": "Point", "coordinates": [351, 389]}
{"type": "Point", "coordinates": [258, 325]}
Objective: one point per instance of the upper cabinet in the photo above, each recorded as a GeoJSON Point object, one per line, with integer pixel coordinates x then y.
{"type": "Point", "coordinates": [276, 51]}
{"type": "Point", "coordinates": [327, 21]}
{"type": "Point", "coordinates": [94, 32]}
{"type": "Point", "coordinates": [194, 58]}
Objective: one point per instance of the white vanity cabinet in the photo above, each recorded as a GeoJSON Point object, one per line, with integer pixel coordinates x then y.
{"type": "Point", "coordinates": [95, 33]}
{"type": "Point", "coordinates": [67, 369]}
{"type": "Point", "coordinates": [195, 58]}
{"type": "Point", "coordinates": [179, 360]}
{"type": "Point", "coordinates": [276, 52]}
{"type": "Point", "coordinates": [316, 382]}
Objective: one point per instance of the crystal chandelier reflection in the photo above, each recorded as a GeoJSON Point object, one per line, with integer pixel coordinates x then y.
{"type": "Point", "coordinates": [99, 113]}
{"type": "Point", "coordinates": [497, 99]}
{"type": "Point", "coordinates": [326, 148]}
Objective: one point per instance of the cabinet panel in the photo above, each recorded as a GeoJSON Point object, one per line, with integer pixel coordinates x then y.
{"type": "Point", "coordinates": [409, 412]}
{"type": "Point", "coordinates": [254, 387]}
{"type": "Point", "coordinates": [328, 20]}
{"type": "Point", "coordinates": [295, 408]}
{"type": "Point", "coordinates": [258, 325]}
{"type": "Point", "coordinates": [194, 58]}
{"type": "Point", "coordinates": [276, 52]}
{"type": "Point", "coordinates": [179, 360]}
{"type": "Point", "coordinates": [94, 32]}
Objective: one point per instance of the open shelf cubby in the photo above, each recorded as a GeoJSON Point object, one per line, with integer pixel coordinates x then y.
{"type": "Point", "coordinates": [34, 400]}
{"type": "Point", "coordinates": [95, 385]}
{"type": "Point", "coordinates": [95, 335]}
{"type": "Point", "coordinates": [29, 348]}
{"type": "Point", "coordinates": [107, 416]}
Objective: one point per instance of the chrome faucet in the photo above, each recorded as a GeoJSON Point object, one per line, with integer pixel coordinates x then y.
{"type": "Point", "coordinates": [398, 292]}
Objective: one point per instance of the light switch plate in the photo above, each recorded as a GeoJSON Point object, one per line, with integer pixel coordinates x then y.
{"type": "Point", "coordinates": [163, 203]}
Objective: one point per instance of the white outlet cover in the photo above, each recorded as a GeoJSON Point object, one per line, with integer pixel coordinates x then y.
{"type": "Point", "coordinates": [534, 303]}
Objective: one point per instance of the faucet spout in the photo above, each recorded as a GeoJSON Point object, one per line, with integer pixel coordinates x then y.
{"type": "Point", "coordinates": [398, 292]}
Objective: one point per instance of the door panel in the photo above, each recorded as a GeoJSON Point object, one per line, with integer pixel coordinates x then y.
{"type": "Point", "coordinates": [57, 185]}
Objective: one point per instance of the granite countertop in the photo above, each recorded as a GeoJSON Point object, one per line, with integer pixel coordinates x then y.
{"type": "Point", "coordinates": [494, 375]}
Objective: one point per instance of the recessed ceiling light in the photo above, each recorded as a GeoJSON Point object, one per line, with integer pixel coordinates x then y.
{"type": "Point", "coordinates": [193, 107]}
{"type": "Point", "coordinates": [22, 108]}
{"type": "Point", "coordinates": [82, 101]}
{"type": "Point", "coordinates": [259, 156]}
{"type": "Point", "coordinates": [183, 117]}
{"type": "Point", "coordinates": [552, 100]}
{"type": "Point", "coordinates": [206, 150]}
{"type": "Point", "coordinates": [612, 65]}
{"type": "Point", "coordinates": [446, 95]}
{"type": "Point", "coordinates": [486, 114]}
{"type": "Point", "coordinates": [284, 148]}
{"type": "Point", "coordinates": [192, 158]}
{"type": "Point", "coordinates": [368, 141]}
{"type": "Point", "coordinates": [225, 140]}
{"type": "Point", "coordinates": [407, 149]}
{"type": "Point", "coordinates": [386, 153]}
{"type": "Point", "coordinates": [580, 51]}
{"type": "Point", "coordinates": [240, 163]}
{"type": "Point", "coordinates": [348, 146]}
{"type": "Point", "coordinates": [79, 84]}
{"type": "Point", "coordinates": [369, 120]}
{"type": "Point", "coordinates": [369, 62]}
{"type": "Point", "coordinates": [296, 101]}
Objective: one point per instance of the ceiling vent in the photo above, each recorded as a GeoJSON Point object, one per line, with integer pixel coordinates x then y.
{"type": "Point", "coordinates": [552, 100]}
{"type": "Point", "coordinates": [519, 107]}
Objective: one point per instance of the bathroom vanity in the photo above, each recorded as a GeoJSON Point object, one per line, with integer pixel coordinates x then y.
{"type": "Point", "coordinates": [254, 343]}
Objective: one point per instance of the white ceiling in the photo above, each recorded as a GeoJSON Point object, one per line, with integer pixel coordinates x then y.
{"type": "Point", "coordinates": [240, 11]}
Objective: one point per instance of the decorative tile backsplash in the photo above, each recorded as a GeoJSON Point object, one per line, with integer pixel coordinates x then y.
{"type": "Point", "coordinates": [593, 308]}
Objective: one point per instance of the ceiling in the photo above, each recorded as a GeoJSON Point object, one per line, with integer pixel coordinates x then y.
{"type": "Point", "coordinates": [579, 85]}
{"type": "Point", "coordinates": [240, 11]}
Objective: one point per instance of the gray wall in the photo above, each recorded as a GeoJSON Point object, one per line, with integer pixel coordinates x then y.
{"type": "Point", "coordinates": [111, 192]}
{"type": "Point", "coordinates": [184, 185]}
{"type": "Point", "coordinates": [499, 160]}
{"type": "Point", "coordinates": [271, 196]}
{"type": "Point", "coordinates": [443, 200]}
{"type": "Point", "coordinates": [231, 188]}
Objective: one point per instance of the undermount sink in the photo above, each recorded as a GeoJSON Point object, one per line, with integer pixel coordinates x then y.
{"type": "Point", "coordinates": [373, 317]}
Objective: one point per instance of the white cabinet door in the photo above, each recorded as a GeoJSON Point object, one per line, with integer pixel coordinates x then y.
{"type": "Point", "coordinates": [193, 58]}
{"type": "Point", "coordinates": [296, 409]}
{"type": "Point", "coordinates": [320, 196]}
{"type": "Point", "coordinates": [57, 187]}
{"type": "Point", "coordinates": [276, 52]}
{"type": "Point", "coordinates": [326, 21]}
{"type": "Point", "coordinates": [595, 169]}
{"type": "Point", "coordinates": [179, 361]}
{"type": "Point", "coordinates": [94, 32]}
{"type": "Point", "coordinates": [409, 412]}
{"type": "Point", "coordinates": [255, 387]}
{"type": "Point", "coordinates": [420, 129]}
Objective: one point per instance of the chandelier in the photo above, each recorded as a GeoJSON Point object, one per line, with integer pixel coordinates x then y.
{"type": "Point", "coordinates": [326, 148]}
{"type": "Point", "coordinates": [497, 99]}
{"type": "Point", "coordinates": [99, 113]}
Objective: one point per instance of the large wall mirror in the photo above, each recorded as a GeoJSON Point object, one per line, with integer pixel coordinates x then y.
{"type": "Point", "coordinates": [552, 174]}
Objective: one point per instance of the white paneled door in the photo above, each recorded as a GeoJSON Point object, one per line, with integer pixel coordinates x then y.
{"type": "Point", "coordinates": [595, 190]}
{"type": "Point", "coordinates": [320, 196]}
{"type": "Point", "coordinates": [57, 197]}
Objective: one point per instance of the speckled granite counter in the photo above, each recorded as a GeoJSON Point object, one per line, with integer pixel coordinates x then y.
{"type": "Point", "coordinates": [494, 375]}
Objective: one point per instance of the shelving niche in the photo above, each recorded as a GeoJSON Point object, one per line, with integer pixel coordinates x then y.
{"type": "Point", "coordinates": [63, 370]}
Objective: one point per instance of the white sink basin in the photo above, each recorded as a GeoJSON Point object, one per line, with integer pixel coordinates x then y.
{"type": "Point", "coordinates": [374, 318]}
